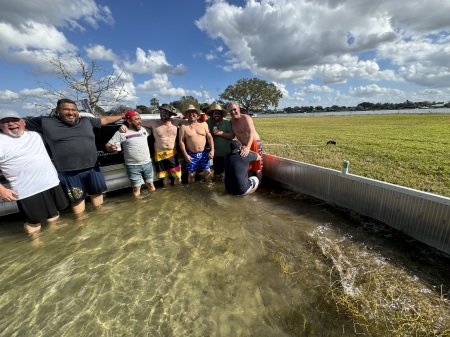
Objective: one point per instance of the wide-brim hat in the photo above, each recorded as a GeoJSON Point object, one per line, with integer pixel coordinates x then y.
{"type": "Point", "coordinates": [191, 107]}
{"type": "Point", "coordinates": [216, 107]}
{"type": "Point", "coordinates": [168, 108]}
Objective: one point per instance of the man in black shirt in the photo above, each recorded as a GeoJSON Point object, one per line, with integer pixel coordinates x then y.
{"type": "Point", "coordinates": [71, 141]}
{"type": "Point", "coordinates": [237, 180]}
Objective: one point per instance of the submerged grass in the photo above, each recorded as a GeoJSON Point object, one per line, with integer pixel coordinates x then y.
{"type": "Point", "coordinates": [408, 150]}
{"type": "Point", "coordinates": [392, 305]}
{"type": "Point", "coordinates": [378, 295]}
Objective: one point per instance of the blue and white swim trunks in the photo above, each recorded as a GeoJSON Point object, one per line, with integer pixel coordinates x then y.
{"type": "Point", "coordinates": [199, 160]}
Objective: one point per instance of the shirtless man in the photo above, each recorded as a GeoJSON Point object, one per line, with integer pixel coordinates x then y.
{"type": "Point", "coordinates": [245, 132]}
{"type": "Point", "coordinates": [165, 133]}
{"type": "Point", "coordinates": [192, 141]}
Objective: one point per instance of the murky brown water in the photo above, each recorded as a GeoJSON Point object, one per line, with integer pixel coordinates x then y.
{"type": "Point", "coordinates": [194, 261]}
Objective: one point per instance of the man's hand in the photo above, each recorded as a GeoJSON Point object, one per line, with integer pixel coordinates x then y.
{"type": "Point", "coordinates": [8, 195]}
{"type": "Point", "coordinates": [244, 151]}
{"type": "Point", "coordinates": [123, 128]}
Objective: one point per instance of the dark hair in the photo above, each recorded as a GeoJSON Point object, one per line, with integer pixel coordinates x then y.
{"type": "Point", "coordinates": [62, 101]}
{"type": "Point", "coordinates": [235, 145]}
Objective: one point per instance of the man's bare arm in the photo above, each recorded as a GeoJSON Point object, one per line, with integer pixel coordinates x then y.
{"type": "Point", "coordinates": [111, 119]}
{"type": "Point", "coordinates": [179, 121]}
{"type": "Point", "coordinates": [181, 140]}
{"type": "Point", "coordinates": [251, 136]}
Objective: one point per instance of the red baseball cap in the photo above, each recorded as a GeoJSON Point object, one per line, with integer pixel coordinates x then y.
{"type": "Point", "coordinates": [131, 113]}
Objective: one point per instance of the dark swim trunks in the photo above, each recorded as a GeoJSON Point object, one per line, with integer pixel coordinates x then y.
{"type": "Point", "coordinates": [167, 162]}
{"type": "Point", "coordinates": [78, 184]}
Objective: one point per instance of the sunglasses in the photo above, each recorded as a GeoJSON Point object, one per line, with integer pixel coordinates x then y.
{"type": "Point", "coordinates": [164, 112]}
{"type": "Point", "coordinates": [217, 112]}
{"type": "Point", "coordinates": [232, 110]}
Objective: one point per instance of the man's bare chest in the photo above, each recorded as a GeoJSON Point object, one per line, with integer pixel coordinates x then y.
{"type": "Point", "coordinates": [166, 131]}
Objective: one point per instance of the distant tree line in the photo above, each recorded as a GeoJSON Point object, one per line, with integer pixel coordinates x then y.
{"type": "Point", "coordinates": [92, 82]}
{"type": "Point", "coordinates": [364, 106]}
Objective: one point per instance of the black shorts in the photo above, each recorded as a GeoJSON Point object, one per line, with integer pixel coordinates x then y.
{"type": "Point", "coordinates": [219, 165]}
{"type": "Point", "coordinates": [43, 206]}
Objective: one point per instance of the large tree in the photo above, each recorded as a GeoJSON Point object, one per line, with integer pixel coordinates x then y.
{"type": "Point", "coordinates": [252, 94]}
{"type": "Point", "coordinates": [184, 102]}
{"type": "Point", "coordinates": [154, 103]}
{"type": "Point", "coordinates": [87, 80]}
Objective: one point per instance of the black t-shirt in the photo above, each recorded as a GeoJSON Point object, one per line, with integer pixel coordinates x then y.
{"type": "Point", "coordinates": [72, 147]}
{"type": "Point", "coordinates": [236, 172]}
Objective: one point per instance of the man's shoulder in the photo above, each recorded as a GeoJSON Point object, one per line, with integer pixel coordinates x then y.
{"type": "Point", "coordinates": [92, 120]}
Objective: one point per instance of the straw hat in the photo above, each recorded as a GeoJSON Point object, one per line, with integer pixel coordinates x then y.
{"type": "Point", "coordinates": [168, 108]}
{"type": "Point", "coordinates": [216, 107]}
{"type": "Point", "coordinates": [191, 107]}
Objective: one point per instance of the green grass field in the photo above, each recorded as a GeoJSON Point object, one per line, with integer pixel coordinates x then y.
{"type": "Point", "coordinates": [408, 150]}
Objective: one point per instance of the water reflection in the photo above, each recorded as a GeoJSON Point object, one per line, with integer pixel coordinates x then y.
{"type": "Point", "coordinates": [194, 261]}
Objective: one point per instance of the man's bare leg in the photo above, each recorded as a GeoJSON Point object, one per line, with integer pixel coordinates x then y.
{"type": "Point", "coordinates": [191, 177]}
{"type": "Point", "coordinates": [53, 219]}
{"type": "Point", "coordinates": [259, 175]}
{"type": "Point", "coordinates": [136, 191]}
{"type": "Point", "coordinates": [97, 200]}
{"type": "Point", "coordinates": [207, 175]}
{"type": "Point", "coordinates": [166, 181]}
{"type": "Point", "coordinates": [176, 180]}
{"type": "Point", "coordinates": [32, 228]}
{"type": "Point", "coordinates": [150, 186]}
{"type": "Point", "coordinates": [78, 208]}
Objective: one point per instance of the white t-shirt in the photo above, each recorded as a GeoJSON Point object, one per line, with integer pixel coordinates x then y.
{"type": "Point", "coordinates": [25, 163]}
{"type": "Point", "coordinates": [134, 145]}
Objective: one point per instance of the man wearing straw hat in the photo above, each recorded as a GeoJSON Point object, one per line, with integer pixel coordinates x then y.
{"type": "Point", "coordinates": [222, 134]}
{"type": "Point", "coordinates": [192, 140]}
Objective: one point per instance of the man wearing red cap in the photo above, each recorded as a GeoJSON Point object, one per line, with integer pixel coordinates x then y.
{"type": "Point", "coordinates": [165, 133]}
{"type": "Point", "coordinates": [136, 152]}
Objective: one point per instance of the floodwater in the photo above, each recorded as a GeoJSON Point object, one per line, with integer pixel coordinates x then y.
{"type": "Point", "coordinates": [193, 261]}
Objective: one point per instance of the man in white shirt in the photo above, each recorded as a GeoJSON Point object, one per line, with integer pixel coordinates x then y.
{"type": "Point", "coordinates": [25, 163]}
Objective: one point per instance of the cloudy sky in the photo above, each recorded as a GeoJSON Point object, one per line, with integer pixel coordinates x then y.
{"type": "Point", "coordinates": [317, 52]}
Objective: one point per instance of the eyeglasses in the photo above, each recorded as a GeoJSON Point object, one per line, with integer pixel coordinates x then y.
{"type": "Point", "coordinates": [232, 110]}
{"type": "Point", "coordinates": [217, 112]}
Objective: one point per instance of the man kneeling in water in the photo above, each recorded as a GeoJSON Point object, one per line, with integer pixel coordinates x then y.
{"type": "Point", "coordinates": [237, 180]}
